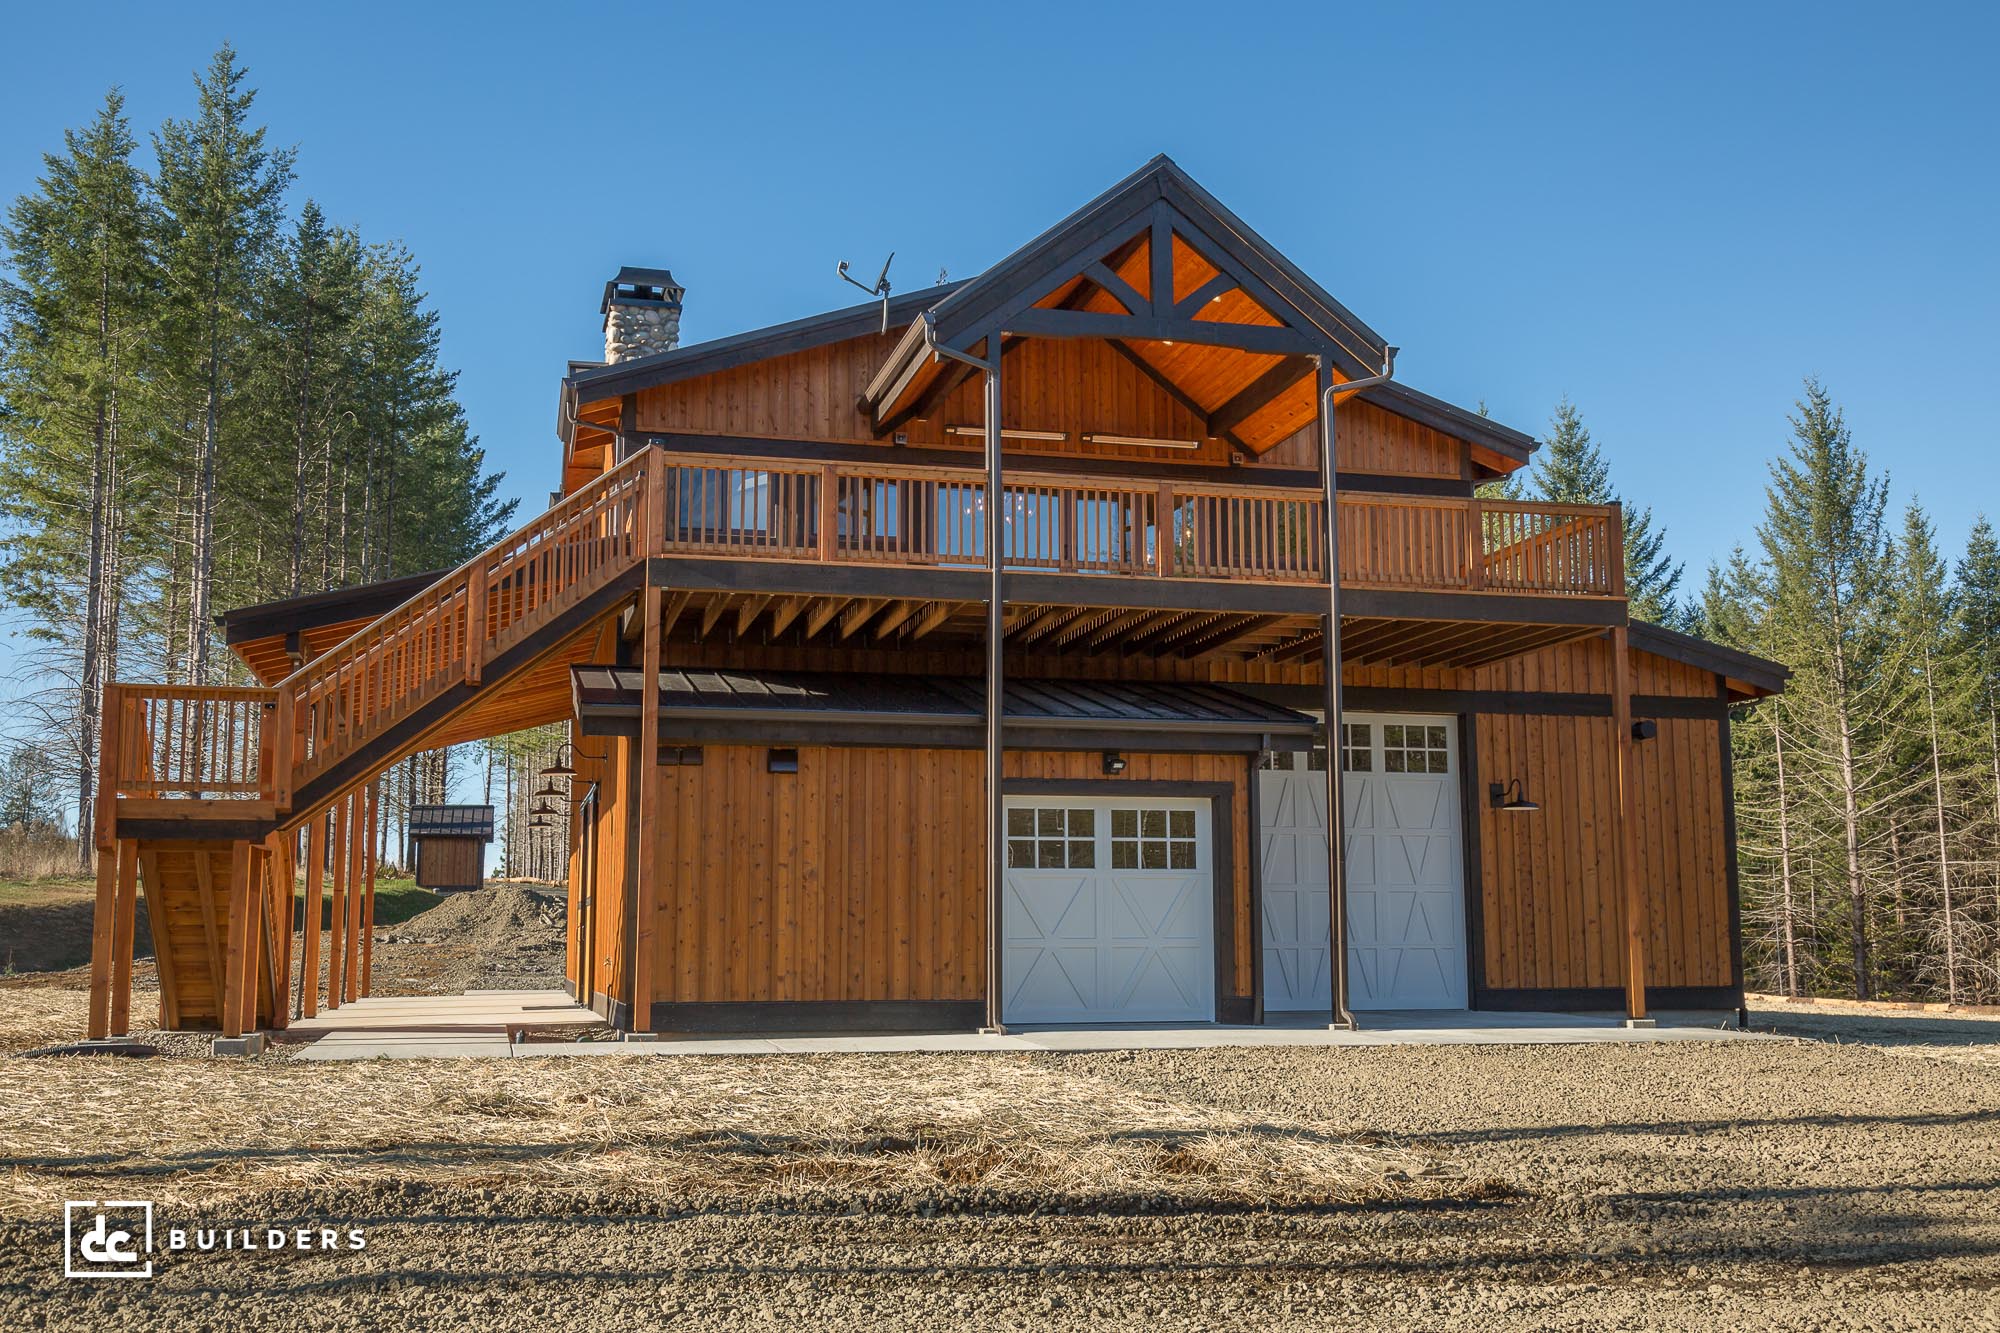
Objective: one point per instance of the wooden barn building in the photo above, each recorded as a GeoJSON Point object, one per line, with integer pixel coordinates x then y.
{"type": "Point", "coordinates": [448, 845]}
{"type": "Point", "coordinates": [962, 659]}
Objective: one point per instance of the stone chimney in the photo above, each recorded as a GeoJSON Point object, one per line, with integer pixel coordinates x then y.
{"type": "Point", "coordinates": [642, 314]}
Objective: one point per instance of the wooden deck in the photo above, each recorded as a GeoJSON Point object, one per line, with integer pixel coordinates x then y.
{"type": "Point", "coordinates": [474, 1011]}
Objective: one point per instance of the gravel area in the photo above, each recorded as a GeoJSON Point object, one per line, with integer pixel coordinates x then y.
{"type": "Point", "coordinates": [1799, 1184]}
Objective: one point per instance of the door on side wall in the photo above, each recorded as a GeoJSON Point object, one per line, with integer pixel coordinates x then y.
{"type": "Point", "coordinates": [1108, 914]}
{"type": "Point", "coordinates": [1405, 869]}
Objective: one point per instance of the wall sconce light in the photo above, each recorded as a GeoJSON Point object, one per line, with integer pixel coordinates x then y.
{"type": "Point", "coordinates": [1114, 763]}
{"type": "Point", "coordinates": [1645, 729]}
{"type": "Point", "coordinates": [1497, 797]}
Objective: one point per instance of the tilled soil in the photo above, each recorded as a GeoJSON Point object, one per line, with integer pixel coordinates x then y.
{"type": "Point", "coordinates": [1779, 1184]}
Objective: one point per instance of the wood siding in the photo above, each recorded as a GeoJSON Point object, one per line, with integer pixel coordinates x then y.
{"type": "Point", "coordinates": [454, 863]}
{"type": "Point", "coordinates": [859, 877]}
{"type": "Point", "coordinates": [1549, 895]}
{"type": "Point", "coordinates": [1056, 384]}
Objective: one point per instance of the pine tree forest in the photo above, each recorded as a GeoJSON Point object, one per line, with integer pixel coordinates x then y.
{"type": "Point", "coordinates": [211, 394]}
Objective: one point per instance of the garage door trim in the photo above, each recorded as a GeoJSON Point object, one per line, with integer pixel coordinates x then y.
{"type": "Point", "coordinates": [1230, 1007]}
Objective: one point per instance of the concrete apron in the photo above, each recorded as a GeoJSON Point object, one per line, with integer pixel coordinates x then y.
{"type": "Point", "coordinates": [1378, 1029]}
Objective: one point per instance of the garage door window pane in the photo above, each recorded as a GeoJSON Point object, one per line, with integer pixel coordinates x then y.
{"type": "Point", "coordinates": [1356, 747]}
{"type": "Point", "coordinates": [1124, 823]}
{"type": "Point", "coordinates": [1410, 748]}
{"type": "Point", "coordinates": [1052, 838]}
{"type": "Point", "coordinates": [1154, 840]}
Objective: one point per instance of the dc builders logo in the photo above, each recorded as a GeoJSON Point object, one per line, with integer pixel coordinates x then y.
{"type": "Point", "coordinates": [114, 1238]}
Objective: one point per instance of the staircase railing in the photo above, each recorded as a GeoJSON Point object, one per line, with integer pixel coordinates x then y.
{"type": "Point", "coordinates": [445, 635]}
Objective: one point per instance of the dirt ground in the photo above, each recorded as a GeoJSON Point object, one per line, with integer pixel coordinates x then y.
{"type": "Point", "coordinates": [1845, 1180]}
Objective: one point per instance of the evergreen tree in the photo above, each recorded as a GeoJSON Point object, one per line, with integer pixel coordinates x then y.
{"type": "Point", "coordinates": [1939, 703]}
{"type": "Point", "coordinates": [1823, 541]}
{"type": "Point", "coordinates": [70, 380]}
{"type": "Point", "coordinates": [221, 196]}
{"type": "Point", "coordinates": [1572, 470]}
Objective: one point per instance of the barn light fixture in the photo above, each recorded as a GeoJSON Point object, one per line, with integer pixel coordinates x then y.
{"type": "Point", "coordinates": [1009, 433]}
{"type": "Point", "coordinates": [561, 768]}
{"type": "Point", "coordinates": [1645, 729]}
{"type": "Point", "coordinates": [543, 808]}
{"type": "Point", "coordinates": [1114, 763]}
{"type": "Point", "coordinates": [540, 823]}
{"type": "Point", "coordinates": [1497, 797]}
{"type": "Point", "coordinates": [1140, 441]}
{"type": "Point", "coordinates": [549, 788]}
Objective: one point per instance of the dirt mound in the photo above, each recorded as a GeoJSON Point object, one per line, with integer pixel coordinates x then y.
{"type": "Point", "coordinates": [501, 937]}
{"type": "Point", "coordinates": [53, 937]}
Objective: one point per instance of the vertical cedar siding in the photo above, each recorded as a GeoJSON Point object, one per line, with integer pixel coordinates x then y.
{"type": "Point", "coordinates": [1066, 384]}
{"type": "Point", "coordinates": [859, 877]}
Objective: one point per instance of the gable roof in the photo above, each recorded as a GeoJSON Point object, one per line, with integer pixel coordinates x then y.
{"type": "Point", "coordinates": [452, 821]}
{"type": "Point", "coordinates": [1223, 238]}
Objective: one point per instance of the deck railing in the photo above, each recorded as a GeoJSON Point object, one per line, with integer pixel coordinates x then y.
{"type": "Point", "coordinates": [844, 513]}
{"type": "Point", "coordinates": [165, 741]}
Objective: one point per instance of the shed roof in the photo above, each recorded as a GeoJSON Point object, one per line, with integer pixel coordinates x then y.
{"type": "Point", "coordinates": [452, 821]}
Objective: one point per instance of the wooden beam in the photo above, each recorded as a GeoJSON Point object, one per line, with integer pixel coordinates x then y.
{"type": "Point", "coordinates": [98, 1024]}
{"type": "Point", "coordinates": [211, 930]}
{"type": "Point", "coordinates": [938, 613]}
{"type": "Point", "coordinates": [1272, 339]}
{"type": "Point", "coordinates": [670, 611]}
{"type": "Point", "coordinates": [337, 908]}
{"type": "Point", "coordinates": [786, 612]}
{"type": "Point", "coordinates": [1113, 629]}
{"type": "Point", "coordinates": [238, 961]}
{"type": "Point", "coordinates": [1161, 258]}
{"type": "Point", "coordinates": [1218, 639]}
{"type": "Point", "coordinates": [1119, 290]}
{"type": "Point", "coordinates": [856, 615]}
{"type": "Point", "coordinates": [746, 615]}
{"type": "Point", "coordinates": [822, 613]}
{"type": "Point", "coordinates": [1192, 304]}
{"type": "Point", "coordinates": [315, 886]}
{"type": "Point", "coordinates": [1259, 394]}
{"type": "Point", "coordinates": [123, 928]}
{"type": "Point", "coordinates": [163, 954]}
{"type": "Point", "coordinates": [894, 617]}
{"type": "Point", "coordinates": [711, 613]}
{"type": "Point", "coordinates": [374, 791]}
{"type": "Point", "coordinates": [646, 899]}
{"type": "Point", "coordinates": [357, 860]}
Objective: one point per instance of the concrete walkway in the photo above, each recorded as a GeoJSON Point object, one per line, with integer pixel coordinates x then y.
{"type": "Point", "coordinates": [481, 1024]}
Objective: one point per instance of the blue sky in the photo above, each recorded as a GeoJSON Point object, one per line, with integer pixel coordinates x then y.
{"type": "Point", "coordinates": [1669, 214]}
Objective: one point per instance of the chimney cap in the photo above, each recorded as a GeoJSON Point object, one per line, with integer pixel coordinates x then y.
{"type": "Point", "coordinates": [642, 286]}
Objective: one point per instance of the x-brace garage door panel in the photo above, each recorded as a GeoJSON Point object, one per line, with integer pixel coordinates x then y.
{"type": "Point", "coordinates": [1108, 914]}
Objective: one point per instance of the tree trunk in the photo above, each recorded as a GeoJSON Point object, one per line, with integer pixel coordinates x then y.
{"type": "Point", "coordinates": [202, 557]}
{"type": "Point", "coordinates": [1944, 859]}
{"type": "Point", "coordinates": [1789, 916]}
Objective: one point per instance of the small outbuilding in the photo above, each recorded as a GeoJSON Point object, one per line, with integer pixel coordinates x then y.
{"type": "Point", "coordinates": [449, 844]}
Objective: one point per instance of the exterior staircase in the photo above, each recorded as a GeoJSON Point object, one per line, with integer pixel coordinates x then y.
{"type": "Point", "coordinates": [203, 790]}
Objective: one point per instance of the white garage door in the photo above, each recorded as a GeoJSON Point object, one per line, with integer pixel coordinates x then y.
{"type": "Point", "coordinates": [1109, 911]}
{"type": "Point", "coordinates": [1405, 869]}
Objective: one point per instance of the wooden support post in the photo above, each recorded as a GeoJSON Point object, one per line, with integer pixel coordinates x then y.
{"type": "Point", "coordinates": [124, 926]}
{"type": "Point", "coordinates": [284, 856]}
{"type": "Point", "coordinates": [98, 1024]}
{"type": "Point", "coordinates": [1163, 528]}
{"type": "Point", "coordinates": [357, 857]}
{"type": "Point", "coordinates": [475, 621]}
{"type": "Point", "coordinates": [310, 920]}
{"type": "Point", "coordinates": [374, 791]}
{"type": "Point", "coordinates": [234, 970]}
{"type": "Point", "coordinates": [337, 909]}
{"type": "Point", "coordinates": [1475, 544]}
{"type": "Point", "coordinates": [647, 900]}
{"type": "Point", "coordinates": [1629, 871]}
{"type": "Point", "coordinates": [829, 513]}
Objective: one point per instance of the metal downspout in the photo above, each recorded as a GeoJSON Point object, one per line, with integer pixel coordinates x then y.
{"type": "Point", "coordinates": [1336, 811]}
{"type": "Point", "coordinates": [994, 530]}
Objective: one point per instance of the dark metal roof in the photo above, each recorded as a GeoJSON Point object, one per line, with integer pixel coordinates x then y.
{"type": "Point", "coordinates": [1758, 672]}
{"type": "Point", "coordinates": [452, 821]}
{"type": "Point", "coordinates": [364, 602]}
{"type": "Point", "coordinates": [647, 280]}
{"type": "Point", "coordinates": [938, 700]}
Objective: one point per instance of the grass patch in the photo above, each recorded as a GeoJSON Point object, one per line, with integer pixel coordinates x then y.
{"type": "Point", "coordinates": [396, 901]}
{"type": "Point", "coordinates": [45, 892]}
